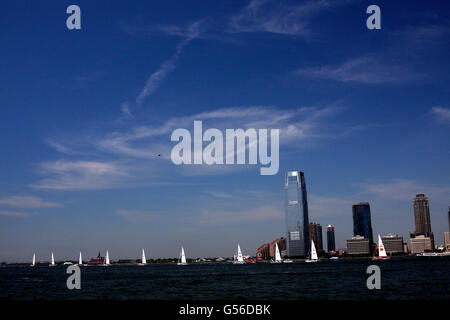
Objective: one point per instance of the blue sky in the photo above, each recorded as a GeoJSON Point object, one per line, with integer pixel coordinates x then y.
{"type": "Point", "coordinates": [84, 114]}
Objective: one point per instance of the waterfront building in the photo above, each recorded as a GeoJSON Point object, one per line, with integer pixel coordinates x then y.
{"type": "Point", "coordinates": [358, 245]}
{"type": "Point", "coordinates": [315, 234]}
{"type": "Point", "coordinates": [263, 251]}
{"type": "Point", "coordinates": [447, 241]}
{"type": "Point", "coordinates": [296, 214]}
{"type": "Point", "coordinates": [362, 223]}
{"type": "Point", "coordinates": [393, 244]}
{"type": "Point", "coordinates": [331, 241]}
{"type": "Point", "coordinates": [420, 244]}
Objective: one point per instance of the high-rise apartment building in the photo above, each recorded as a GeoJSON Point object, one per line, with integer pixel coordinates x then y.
{"type": "Point", "coordinates": [315, 234]}
{"type": "Point", "coordinates": [331, 242]}
{"type": "Point", "coordinates": [296, 214]}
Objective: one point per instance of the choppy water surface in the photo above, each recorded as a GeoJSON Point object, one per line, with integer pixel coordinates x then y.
{"type": "Point", "coordinates": [401, 278]}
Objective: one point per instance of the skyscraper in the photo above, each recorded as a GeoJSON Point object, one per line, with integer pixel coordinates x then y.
{"type": "Point", "coordinates": [362, 224]}
{"type": "Point", "coordinates": [315, 234]}
{"type": "Point", "coordinates": [449, 218]}
{"type": "Point", "coordinates": [331, 242]}
{"type": "Point", "coordinates": [422, 219]}
{"type": "Point", "coordinates": [422, 214]}
{"type": "Point", "coordinates": [296, 213]}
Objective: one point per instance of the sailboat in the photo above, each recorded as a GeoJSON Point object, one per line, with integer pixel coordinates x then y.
{"type": "Point", "coordinates": [182, 261]}
{"type": "Point", "coordinates": [80, 260]}
{"type": "Point", "coordinates": [239, 258]}
{"type": "Point", "coordinates": [381, 251]}
{"type": "Point", "coordinates": [277, 255]}
{"type": "Point", "coordinates": [143, 260]}
{"type": "Point", "coordinates": [33, 262]}
{"type": "Point", "coordinates": [314, 257]}
{"type": "Point", "coordinates": [52, 263]}
{"type": "Point", "coordinates": [106, 259]}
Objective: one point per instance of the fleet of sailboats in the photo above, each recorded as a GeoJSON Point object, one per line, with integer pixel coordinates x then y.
{"type": "Point", "coordinates": [239, 258]}
{"type": "Point", "coordinates": [182, 259]}
{"type": "Point", "coordinates": [313, 256]}
{"type": "Point", "coordinates": [381, 251]}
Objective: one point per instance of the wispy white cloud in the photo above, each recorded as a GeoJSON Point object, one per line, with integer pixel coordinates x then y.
{"type": "Point", "coordinates": [366, 69]}
{"type": "Point", "coordinates": [138, 156]}
{"type": "Point", "coordinates": [154, 81]}
{"type": "Point", "coordinates": [81, 175]}
{"type": "Point", "coordinates": [442, 114]}
{"type": "Point", "coordinates": [27, 202]}
{"type": "Point", "coordinates": [279, 17]}
{"type": "Point", "coordinates": [14, 213]}
{"type": "Point", "coordinates": [403, 189]}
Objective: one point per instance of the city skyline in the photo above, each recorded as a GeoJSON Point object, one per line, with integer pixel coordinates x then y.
{"type": "Point", "coordinates": [87, 115]}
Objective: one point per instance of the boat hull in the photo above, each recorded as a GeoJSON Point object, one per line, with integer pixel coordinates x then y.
{"type": "Point", "coordinates": [380, 258]}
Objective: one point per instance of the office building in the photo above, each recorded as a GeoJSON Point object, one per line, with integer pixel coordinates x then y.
{"type": "Point", "coordinates": [422, 219]}
{"type": "Point", "coordinates": [296, 214]}
{"type": "Point", "coordinates": [420, 244]}
{"type": "Point", "coordinates": [331, 241]}
{"type": "Point", "coordinates": [358, 245]}
{"type": "Point", "coordinates": [422, 214]}
{"type": "Point", "coordinates": [393, 244]}
{"type": "Point", "coordinates": [362, 223]}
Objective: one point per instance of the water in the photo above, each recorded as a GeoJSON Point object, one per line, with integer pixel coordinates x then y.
{"type": "Point", "coordinates": [401, 278]}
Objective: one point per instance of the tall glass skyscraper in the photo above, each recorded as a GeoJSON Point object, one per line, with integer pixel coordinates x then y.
{"type": "Point", "coordinates": [331, 242]}
{"type": "Point", "coordinates": [296, 211]}
{"type": "Point", "coordinates": [362, 224]}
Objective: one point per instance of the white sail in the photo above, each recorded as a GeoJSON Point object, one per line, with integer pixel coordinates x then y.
{"type": "Point", "coordinates": [183, 256]}
{"type": "Point", "coordinates": [381, 250]}
{"type": "Point", "coordinates": [239, 255]}
{"type": "Point", "coordinates": [143, 260]}
{"type": "Point", "coordinates": [107, 258]}
{"type": "Point", "coordinates": [277, 253]}
{"type": "Point", "coordinates": [80, 259]}
{"type": "Point", "coordinates": [313, 251]}
{"type": "Point", "coordinates": [33, 262]}
{"type": "Point", "coordinates": [53, 260]}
